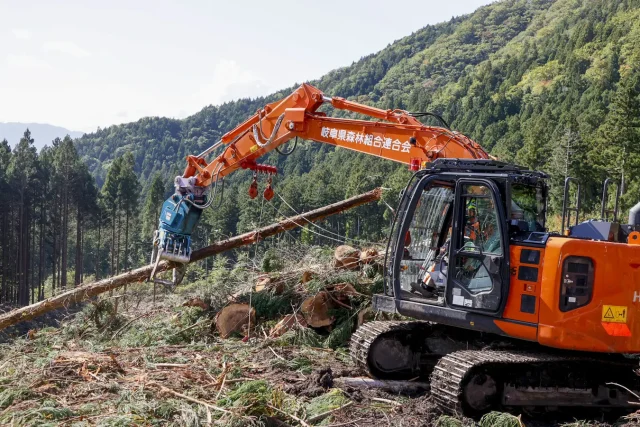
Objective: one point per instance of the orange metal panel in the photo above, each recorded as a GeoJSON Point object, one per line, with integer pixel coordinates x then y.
{"type": "Point", "coordinates": [517, 330]}
{"type": "Point", "coordinates": [616, 283]}
{"type": "Point", "coordinates": [296, 115]}
{"type": "Point", "coordinates": [513, 309]}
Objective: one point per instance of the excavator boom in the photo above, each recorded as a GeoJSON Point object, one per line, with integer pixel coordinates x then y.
{"type": "Point", "coordinates": [394, 135]}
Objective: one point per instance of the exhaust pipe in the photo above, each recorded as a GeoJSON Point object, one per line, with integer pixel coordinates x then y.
{"type": "Point", "coordinates": [634, 215]}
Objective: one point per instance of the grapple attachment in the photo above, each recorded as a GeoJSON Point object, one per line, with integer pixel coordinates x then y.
{"type": "Point", "coordinates": [172, 241]}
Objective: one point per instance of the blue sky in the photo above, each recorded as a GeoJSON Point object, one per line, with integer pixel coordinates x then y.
{"type": "Point", "coordinates": [84, 64]}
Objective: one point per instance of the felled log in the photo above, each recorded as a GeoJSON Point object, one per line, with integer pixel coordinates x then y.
{"type": "Point", "coordinates": [368, 256]}
{"type": "Point", "coordinates": [364, 315]}
{"type": "Point", "coordinates": [83, 364]}
{"type": "Point", "coordinates": [196, 302]}
{"type": "Point", "coordinates": [286, 224]}
{"type": "Point", "coordinates": [315, 309]}
{"type": "Point", "coordinates": [346, 257]}
{"type": "Point", "coordinates": [396, 387]}
{"type": "Point", "coordinates": [141, 274]}
{"type": "Point", "coordinates": [343, 290]}
{"type": "Point", "coordinates": [235, 318]}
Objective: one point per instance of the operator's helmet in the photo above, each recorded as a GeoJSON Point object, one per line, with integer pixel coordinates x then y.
{"type": "Point", "coordinates": [472, 209]}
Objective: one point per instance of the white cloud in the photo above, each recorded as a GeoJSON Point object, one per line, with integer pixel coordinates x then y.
{"type": "Point", "coordinates": [68, 48]}
{"type": "Point", "coordinates": [21, 33]}
{"type": "Point", "coordinates": [229, 82]}
{"type": "Point", "coordinates": [27, 62]}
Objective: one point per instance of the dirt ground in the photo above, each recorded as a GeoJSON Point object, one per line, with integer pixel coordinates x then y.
{"type": "Point", "coordinates": [86, 373]}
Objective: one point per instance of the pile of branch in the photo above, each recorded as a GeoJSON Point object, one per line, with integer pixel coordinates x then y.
{"type": "Point", "coordinates": [141, 274]}
{"type": "Point", "coordinates": [303, 299]}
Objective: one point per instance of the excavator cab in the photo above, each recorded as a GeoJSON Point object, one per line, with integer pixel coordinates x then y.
{"type": "Point", "coordinates": [461, 216]}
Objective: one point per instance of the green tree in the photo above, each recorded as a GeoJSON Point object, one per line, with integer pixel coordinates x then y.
{"type": "Point", "coordinates": [619, 136]}
{"type": "Point", "coordinates": [5, 235]}
{"type": "Point", "coordinates": [111, 200]}
{"type": "Point", "coordinates": [22, 171]}
{"type": "Point", "coordinates": [152, 204]}
{"type": "Point", "coordinates": [67, 165]}
{"type": "Point", "coordinates": [128, 193]}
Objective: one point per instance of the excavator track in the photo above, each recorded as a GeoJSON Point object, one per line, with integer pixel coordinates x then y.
{"type": "Point", "coordinates": [469, 378]}
{"type": "Point", "coordinates": [474, 382]}
{"type": "Point", "coordinates": [374, 348]}
{"type": "Point", "coordinates": [404, 350]}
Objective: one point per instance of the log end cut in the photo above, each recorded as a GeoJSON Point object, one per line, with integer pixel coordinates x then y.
{"type": "Point", "coordinates": [346, 257]}
{"type": "Point", "coordinates": [315, 310]}
{"type": "Point", "coordinates": [235, 318]}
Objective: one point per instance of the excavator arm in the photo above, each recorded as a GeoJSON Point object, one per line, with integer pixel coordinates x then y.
{"type": "Point", "coordinates": [399, 137]}
{"type": "Point", "coordinates": [392, 134]}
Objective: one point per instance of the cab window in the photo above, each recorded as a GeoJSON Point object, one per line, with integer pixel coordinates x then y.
{"type": "Point", "coordinates": [481, 228]}
{"type": "Point", "coordinates": [424, 261]}
{"type": "Point", "coordinates": [478, 257]}
{"type": "Point", "coordinates": [528, 208]}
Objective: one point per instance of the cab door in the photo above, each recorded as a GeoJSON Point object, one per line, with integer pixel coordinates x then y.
{"type": "Point", "coordinates": [478, 272]}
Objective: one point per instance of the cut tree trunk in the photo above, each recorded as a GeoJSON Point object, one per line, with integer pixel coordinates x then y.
{"type": "Point", "coordinates": [316, 309]}
{"type": "Point", "coordinates": [235, 318]}
{"type": "Point", "coordinates": [141, 274]}
{"type": "Point", "coordinates": [346, 257]}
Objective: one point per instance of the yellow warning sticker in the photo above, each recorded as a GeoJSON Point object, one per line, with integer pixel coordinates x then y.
{"type": "Point", "coordinates": [614, 313]}
{"type": "Point", "coordinates": [253, 149]}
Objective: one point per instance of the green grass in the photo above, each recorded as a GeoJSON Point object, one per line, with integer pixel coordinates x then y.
{"type": "Point", "coordinates": [326, 402]}
{"type": "Point", "coordinates": [499, 419]}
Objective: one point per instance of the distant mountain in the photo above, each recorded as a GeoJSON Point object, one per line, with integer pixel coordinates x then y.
{"type": "Point", "coordinates": [43, 134]}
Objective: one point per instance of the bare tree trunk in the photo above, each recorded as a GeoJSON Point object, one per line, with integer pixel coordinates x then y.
{"type": "Point", "coordinates": [22, 272]}
{"type": "Point", "coordinates": [65, 238]}
{"type": "Point", "coordinates": [126, 253]}
{"type": "Point", "coordinates": [32, 267]}
{"type": "Point", "coordinates": [112, 269]}
{"type": "Point", "coordinates": [78, 269]}
{"type": "Point", "coordinates": [25, 241]}
{"type": "Point", "coordinates": [126, 242]}
{"type": "Point", "coordinates": [82, 251]}
{"type": "Point", "coordinates": [97, 262]}
{"type": "Point", "coordinates": [54, 257]}
{"type": "Point", "coordinates": [118, 246]}
{"type": "Point", "coordinates": [4, 247]}
{"type": "Point", "coordinates": [41, 255]}
{"type": "Point", "coordinates": [19, 252]}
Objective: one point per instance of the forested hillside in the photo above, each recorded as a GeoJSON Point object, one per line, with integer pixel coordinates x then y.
{"type": "Point", "coordinates": [552, 85]}
{"type": "Point", "coordinates": [532, 81]}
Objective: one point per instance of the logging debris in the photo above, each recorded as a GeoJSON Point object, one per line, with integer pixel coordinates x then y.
{"type": "Point", "coordinates": [139, 275]}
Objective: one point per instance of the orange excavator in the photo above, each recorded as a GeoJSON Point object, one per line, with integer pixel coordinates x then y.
{"type": "Point", "coordinates": [506, 314]}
